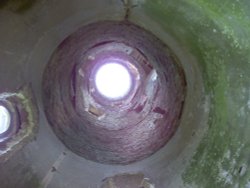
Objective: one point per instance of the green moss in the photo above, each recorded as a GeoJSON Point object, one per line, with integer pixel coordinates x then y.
{"type": "Point", "coordinates": [217, 33]}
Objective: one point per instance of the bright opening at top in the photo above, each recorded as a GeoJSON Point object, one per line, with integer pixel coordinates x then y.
{"type": "Point", "coordinates": [113, 80]}
{"type": "Point", "coordinates": [4, 119]}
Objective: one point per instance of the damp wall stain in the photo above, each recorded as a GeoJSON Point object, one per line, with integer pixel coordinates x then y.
{"type": "Point", "coordinates": [218, 35]}
{"type": "Point", "coordinates": [17, 6]}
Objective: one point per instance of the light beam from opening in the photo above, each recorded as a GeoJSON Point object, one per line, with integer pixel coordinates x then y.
{"type": "Point", "coordinates": [113, 80]}
{"type": "Point", "coordinates": [4, 119]}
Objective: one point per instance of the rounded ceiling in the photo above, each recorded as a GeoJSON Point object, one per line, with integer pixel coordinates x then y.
{"type": "Point", "coordinates": [113, 92]}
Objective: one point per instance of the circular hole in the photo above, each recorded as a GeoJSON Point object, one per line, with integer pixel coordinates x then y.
{"type": "Point", "coordinates": [4, 119]}
{"type": "Point", "coordinates": [113, 80]}
{"type": "Point", "coordinates": [119, 102]}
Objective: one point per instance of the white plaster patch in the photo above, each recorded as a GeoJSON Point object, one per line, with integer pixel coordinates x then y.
{"type": "Point", "coordinates": [248, 104]}
{"type": "Point", "coordinates": [243, 170]}
{"type": "Point", "coordinates": [227, 154]}
{"type": "Point", "coordinates": [242, 112]}
{"type": "Point", "coordinates": [248, 184]}
{"type": "Point", "coordinates": [225, 175]}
